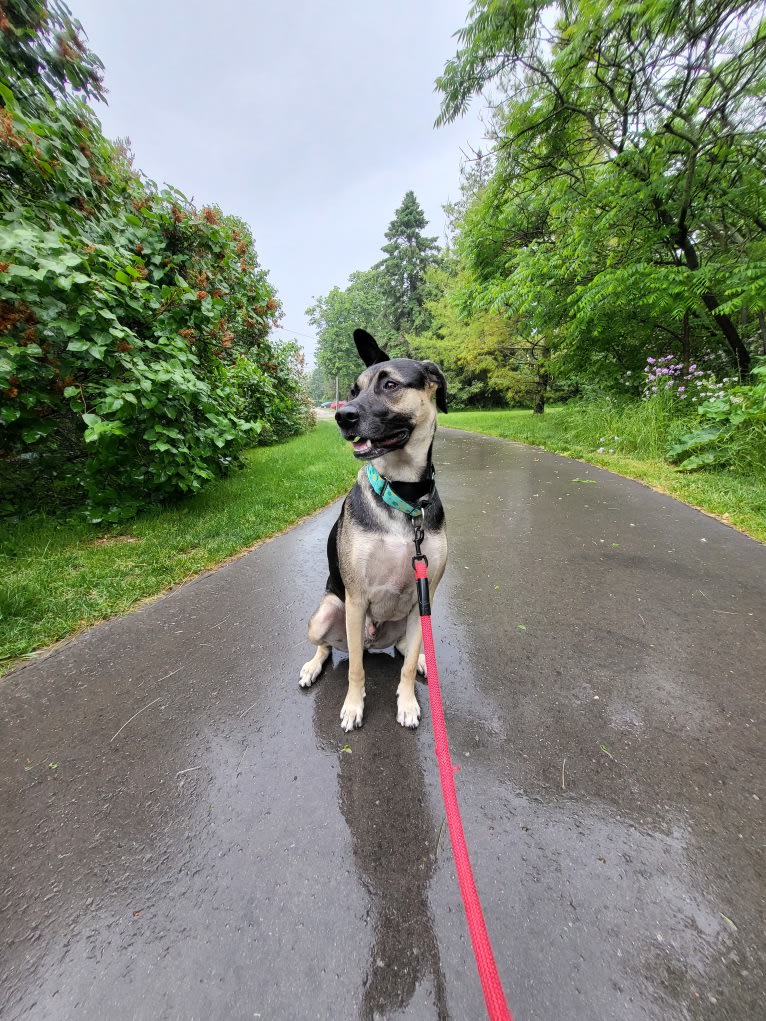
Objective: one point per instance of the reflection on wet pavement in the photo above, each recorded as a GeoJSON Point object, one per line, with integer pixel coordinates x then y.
{"type": "Point", "coordinates": [382, 797]}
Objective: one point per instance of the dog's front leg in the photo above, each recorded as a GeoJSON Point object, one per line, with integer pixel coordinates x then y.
{"type": "Point", "coordinates": [353, 708]}
{"type": "Point", "coordinates": [407, 708]}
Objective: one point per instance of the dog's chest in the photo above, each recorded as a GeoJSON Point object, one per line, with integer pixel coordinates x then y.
{"type": "Point", "coordinates": [383, 573]}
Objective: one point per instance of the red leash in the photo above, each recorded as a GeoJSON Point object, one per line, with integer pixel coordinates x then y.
{"type": "Point", "coordinates": [494, 997]}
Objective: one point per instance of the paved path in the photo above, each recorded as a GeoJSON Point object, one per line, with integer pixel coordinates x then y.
{"type": "Point", "coordinates": [187, 834]}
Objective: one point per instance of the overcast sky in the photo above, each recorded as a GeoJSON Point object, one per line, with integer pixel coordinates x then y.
{"type": "Point", "coordinates": [308, 120]}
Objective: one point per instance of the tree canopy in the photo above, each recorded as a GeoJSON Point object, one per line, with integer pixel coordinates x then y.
{"type": "Point", "coordinates": [625, 215]}
{"type": "Point", "coordinates": [336, 315]}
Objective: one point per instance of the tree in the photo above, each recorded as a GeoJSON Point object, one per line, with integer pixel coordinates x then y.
{"type": "Point", "coordinates": [626, 214]}
{"type": "Point", "coordinates": [487, 361]}
{"type": "Point", "coordinates": [389, 300]}
{"type": "Point", "coordinates": [408, 255]}
{"type": "Point", "coordinates": [318, 385]}
{"type": "Point", "coordinates": [475, 175]}
{"type": "Point", "coordinates": [335, 317]}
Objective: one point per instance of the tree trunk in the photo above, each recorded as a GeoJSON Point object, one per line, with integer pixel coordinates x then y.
{"type": "Point", "coordinates": [731, 334]}
{"type": "Point", "coordinates": [679, 233]}
{"type": "Point", "coordinates": [543, 379]}
{"type": "Point", "coordinates": [686, 354]}
{"type": "Point", "coordinates": [724, 322]}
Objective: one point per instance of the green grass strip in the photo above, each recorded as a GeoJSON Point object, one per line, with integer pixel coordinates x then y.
{"type": "Point", "coordinates": [57, 577]}
{"type": "Point", "coordinates": [737, 499]}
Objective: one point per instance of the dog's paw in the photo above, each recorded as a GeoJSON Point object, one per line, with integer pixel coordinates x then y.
{"type": "Point", "coordinates": [422, 665]}
{"type": "Point", "coordinates": [407, 711]}
{"type": "Point", "coordinates": [352, 712]}
{"type": "Point", "coordinates": [309, 673]}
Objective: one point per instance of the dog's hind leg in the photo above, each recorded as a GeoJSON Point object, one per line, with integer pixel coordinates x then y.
{"type": "Point", "coordinates": [311, 670]}
{"type": "Point", "coordinates": [407, 708]}
{"type": "Point", "coordinates": [327, 630]}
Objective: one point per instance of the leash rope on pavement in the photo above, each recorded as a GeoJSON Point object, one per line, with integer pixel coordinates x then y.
{"type": "Point", "coordinates": [494, 997]}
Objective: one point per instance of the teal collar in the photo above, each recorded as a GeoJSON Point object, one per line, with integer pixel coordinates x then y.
{"type": "Point", "coordinates": [383, 488]}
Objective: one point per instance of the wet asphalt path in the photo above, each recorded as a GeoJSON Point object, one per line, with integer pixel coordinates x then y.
{"type": "Point", "coordinates": [185, 834]}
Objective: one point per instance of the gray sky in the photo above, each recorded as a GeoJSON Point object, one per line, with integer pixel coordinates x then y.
{"type": "Point", "coordinates": [308, 120]}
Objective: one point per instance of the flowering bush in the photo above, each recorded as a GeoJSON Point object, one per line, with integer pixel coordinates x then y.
{"type": "Point", "coordinates": [667, 375]}
{"type": "Point", "coordinates": [732, 430]}
{"type": "Point", "coordinates": [126, 314]}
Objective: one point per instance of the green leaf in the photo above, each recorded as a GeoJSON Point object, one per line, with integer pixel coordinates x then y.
{"type": "Point", "coordinates": [79, 344]}
{"type": "Point", "coordinates": [36, 432]}
{"type": "Point", "coordinates": [703, 460]}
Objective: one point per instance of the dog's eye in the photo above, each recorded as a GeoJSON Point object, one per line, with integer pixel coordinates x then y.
{"type": "Point", "coordinates": [390, 384]}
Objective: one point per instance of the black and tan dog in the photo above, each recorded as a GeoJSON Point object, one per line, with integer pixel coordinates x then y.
{"type": "Point", "coordinates": [370, 600]}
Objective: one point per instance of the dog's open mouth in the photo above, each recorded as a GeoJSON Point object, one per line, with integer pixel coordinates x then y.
{"type": "Point", "coordinates": [366, 447]}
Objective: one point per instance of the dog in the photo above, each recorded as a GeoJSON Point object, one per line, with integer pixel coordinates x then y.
{"type": "Point", "coordinates": [370, 600]}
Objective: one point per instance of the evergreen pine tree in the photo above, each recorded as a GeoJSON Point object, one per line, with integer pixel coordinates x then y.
{"type": "Point", "coordinates": [408, 254]}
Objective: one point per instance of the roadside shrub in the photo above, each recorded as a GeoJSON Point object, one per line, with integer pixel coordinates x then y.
{"type": "Point", "coordinates": [670, 377]}
{"type": "Point", "coordinates": [135, 358]}
{"type": "Point", "coordinates": [708, 424]}
{"type": "Point", "coordinates": [114, 355]}
{"type": "Point", "coordinates": [278, 396]}
{"type": "Point", "coordinates": [731, 430]}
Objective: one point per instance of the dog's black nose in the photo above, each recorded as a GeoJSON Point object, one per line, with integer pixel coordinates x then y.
{"type": "Point", "coordinates": [347, 416]}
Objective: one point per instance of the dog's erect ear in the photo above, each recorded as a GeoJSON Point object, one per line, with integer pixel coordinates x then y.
{"type": "Point", "coordinates": [436, 376]}
{"type": "Point", "coordinates": [368, 348]}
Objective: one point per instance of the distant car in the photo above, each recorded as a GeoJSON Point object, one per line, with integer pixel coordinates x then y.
{"type": "Point", "coordinates": [337, 404]}
{"type": "Point", "coordinates": [325, 404]}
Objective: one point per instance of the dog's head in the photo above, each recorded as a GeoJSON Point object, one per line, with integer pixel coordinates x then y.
{"type": "Point", "coordinates": [393, 403]}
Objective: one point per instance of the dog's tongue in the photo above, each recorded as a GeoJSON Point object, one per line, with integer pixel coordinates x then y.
{"type": "Point", "coordinates": [362, 446]}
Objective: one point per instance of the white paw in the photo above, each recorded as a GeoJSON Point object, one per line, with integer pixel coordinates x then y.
{"type": "Point", "coordinates": [309, 673]}
{"type": "Point", "coordinates": [422, 665]}
{"type": "Point", "coordinates": [352, 712]}
{"type": "Point", "coordinates": [407, 712]}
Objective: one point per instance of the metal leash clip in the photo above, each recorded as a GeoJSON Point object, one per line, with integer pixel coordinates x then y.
{"type": "Point", "coordinates": [418, 539]}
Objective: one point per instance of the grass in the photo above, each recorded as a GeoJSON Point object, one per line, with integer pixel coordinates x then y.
{"type": "Point", "coordinates": [58, 577]}
{"type": "Point", "coordinates": [629, 441]}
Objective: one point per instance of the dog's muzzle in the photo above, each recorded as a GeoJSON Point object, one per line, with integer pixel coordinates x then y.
{"type": "Point", "coordinates": [368, 447]}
